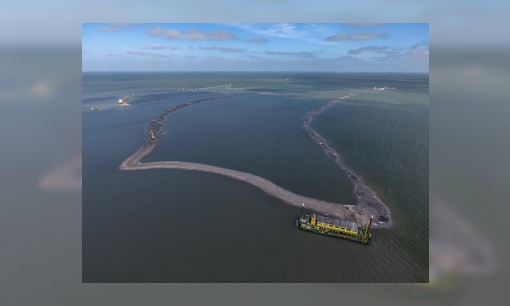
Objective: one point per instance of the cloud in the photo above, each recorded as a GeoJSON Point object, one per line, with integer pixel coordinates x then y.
{"type": "Point", "coordinates": [231, 50]}
{"type": "Point", "coordinates": [377, 49]}
{"type": "Point", "coordinates": [276, 52]}
{"type": "Point", "coordinates": [191, 34]}
{"type": "Point", "coordinates": [417, 54]}
{"type": "Point", "coordinates": [356, 36]}
{"type": "Point", "coordinates": [283, 30]}
{"type": "Point", "coordinates": [208, 48]}
{"type": "Point", "coordinates": [139, 52]}
{"type": "Point", "coordinates": [302, 53]}
{"type": "Point", "coordinates": [365, 25]}
{"type": "Point", "coordinates": [413, 55]}
{"type": "Point", "coordinates": [221, 49]}
{"type": "Point", "coordinates": [347, 59]}
{"type": "Point", "coordinates": [222, 35]}
{"type": "Point", "coordinates": [312, 33]}
{"type": "Point", "coordinates": [116, 27]}
{"type": "Point", "coordinates": [257, 40]}
{"type": "Point", "coordinates": [256, 57]}
{"type": "Point", "coordinates": [134, 52]}
{"type": "Point", "coordinates": [196, 35]}
{"type": "Point", "coordinates": [167, 33]}
{"type": "Point", "coordinates": [155, 46]}
{"type": "Point", "coordinates": [215, 58]}
{"type": "Point", "coordinates": [423, 43]}
{"type": "Point", "coordinates": [397, 54]}
{"type": "Point", "coordinates": [175, 47]}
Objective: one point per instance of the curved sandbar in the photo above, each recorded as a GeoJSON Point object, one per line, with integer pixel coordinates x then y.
{"type": "Point", "coordinates": [368, 203]}
{"type": "Point", "coordinates": [347, 212]}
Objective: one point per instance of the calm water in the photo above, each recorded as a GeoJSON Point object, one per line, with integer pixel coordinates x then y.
{"type": "Point", "coordinates": [179, 226]}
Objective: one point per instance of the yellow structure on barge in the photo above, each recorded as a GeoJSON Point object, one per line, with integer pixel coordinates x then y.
{"type": "Point", "coordinates": [334, 227]}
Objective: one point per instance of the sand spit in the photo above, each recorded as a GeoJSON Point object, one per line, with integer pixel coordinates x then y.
{"type": "Point", "coordinates": [368, 204]}
{"type": "Point", "coordinates": [367, 199]}
{"type": "Point", "coordinates": [348, 212]}
{"type": "Point", "coordinates": [155, 125]}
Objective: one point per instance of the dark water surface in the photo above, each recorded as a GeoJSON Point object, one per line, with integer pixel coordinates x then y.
{"type": "Point", "coordinates": [179, 226]}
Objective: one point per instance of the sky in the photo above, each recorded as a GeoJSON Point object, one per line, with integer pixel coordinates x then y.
{"type": "Point", "coordinates": [358, 47]}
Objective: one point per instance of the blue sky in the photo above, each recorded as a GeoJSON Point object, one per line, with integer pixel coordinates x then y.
{"type": "Point", "coordinates": [256, 47]}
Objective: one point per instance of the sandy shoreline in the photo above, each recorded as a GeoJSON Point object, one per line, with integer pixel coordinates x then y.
{"type": "Point", "coordinates": [367, 199]}
{"type": "Point", "coordinates": [368, 203]}
{"type": "Point", "coordinates": [347, 212]}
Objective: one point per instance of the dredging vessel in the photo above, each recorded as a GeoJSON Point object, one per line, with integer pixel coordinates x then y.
{"type": "Point", "coordinates": [334, 227]}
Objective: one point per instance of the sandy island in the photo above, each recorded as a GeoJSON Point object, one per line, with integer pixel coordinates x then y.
{"type": "Point", "coordinates": [368, 203]}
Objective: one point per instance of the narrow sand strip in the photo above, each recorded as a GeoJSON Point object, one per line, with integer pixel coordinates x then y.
{"type": "Point", "coordinates": [368, 203]}
{"type": "Point", "coordinates": [347, 212]}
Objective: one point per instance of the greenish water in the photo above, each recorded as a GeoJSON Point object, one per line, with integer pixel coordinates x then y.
{"type": "Point", "coordinates": [179, 226]}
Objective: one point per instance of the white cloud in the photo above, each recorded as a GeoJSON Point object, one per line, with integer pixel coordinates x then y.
{"type": "Point", "coordinates": [192, 34]}
{"type": "Point", "coordinates": [231, 50]}
{"type": "Point", "coordinates": [423, 43]}
{"type": "Point", "coordinates": [155, 46]}
{"type": "Point", "coordinates": [221, 49]}
{"type": "Point", "coordinates": [208, 48]}
{"type": "Point", "coordinates": [347, 59]}
{"type": "Point", "coordinates": [377, 49]}
{"type": "Point", "coordinates": [356, 36]}
{"type": "Point", "coordinates": [304, 54]}
{"type": "Point", "coordinates": [196, 35]}
{"type": "Point", "coordinates": [282, 30]}
{"type": "Point", "coordinates": [256, 57]}
{"type": "Point", "coordinates": [116, 27]}
{"type": "Point", "coordinates": [222, 35]}
{"type": "Point", "coordinates": [167, 33]}
{"type": "Point", "coordinates": [413, 55]}
{"type": "Point", "coordinates": [276, 52]}
{"type": "Point", "coordinates": [417, 53]}
{"type": "Point", "coordinates": [134, 52]}
{"type": "Point", "coordinates": [257, 40]}
{"type": "Point", "coordinates": [139, 52]}
{"type": "Point", "coordinates": [214, 58]}
{"type": "Point", "coordinates": [301, 53]}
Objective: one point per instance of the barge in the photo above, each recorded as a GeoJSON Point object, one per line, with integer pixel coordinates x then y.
{"type": "Point", "coordinates": [334, 227]}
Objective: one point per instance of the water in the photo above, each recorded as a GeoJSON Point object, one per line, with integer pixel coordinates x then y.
{"type": "Point", "coordinates": [179, 226]}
